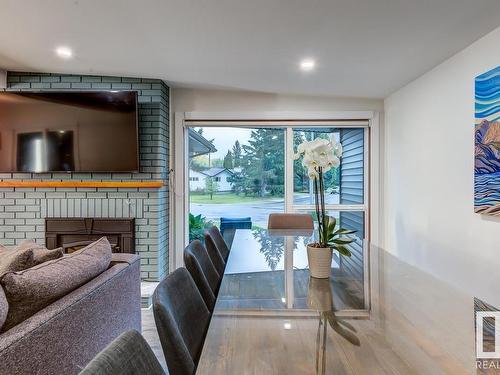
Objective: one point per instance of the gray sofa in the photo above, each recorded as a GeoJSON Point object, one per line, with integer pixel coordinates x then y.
{"type": "Point", "coordinates": [63, 337]}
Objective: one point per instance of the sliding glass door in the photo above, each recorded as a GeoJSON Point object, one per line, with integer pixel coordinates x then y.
{"type": "Point", "coordinates": [241, 170]}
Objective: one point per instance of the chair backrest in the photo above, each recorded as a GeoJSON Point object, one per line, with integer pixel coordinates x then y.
{"type": "Point", "coordinates": [129, 354]}
{"type": "Point", "coordinates": [290, 221]}
{"type": "Point", "coordinates": [182, 319]}
{"type": "Point", "coordinates": [214, 239]}
{"type": "Point", "coordinates": [202, 271]}
{"type": "Point", "coordinates": [215, 256]}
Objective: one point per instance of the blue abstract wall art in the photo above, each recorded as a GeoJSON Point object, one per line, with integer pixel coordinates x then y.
{"type": "Point", "coordinates": [487, 143]}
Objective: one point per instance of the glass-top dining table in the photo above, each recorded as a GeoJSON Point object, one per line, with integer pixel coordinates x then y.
{"type": "Point", "coordinates": [270, 316]}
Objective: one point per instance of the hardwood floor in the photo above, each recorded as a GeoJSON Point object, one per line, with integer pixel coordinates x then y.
{"type": "Point", "coordinates": [151, 335]}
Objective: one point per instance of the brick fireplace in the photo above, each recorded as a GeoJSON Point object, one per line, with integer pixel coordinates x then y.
{"type": "Point", "coordinates": [23, 211]}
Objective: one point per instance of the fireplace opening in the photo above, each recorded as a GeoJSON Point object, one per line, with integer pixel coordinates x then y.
{"type": "Point", "coordinates": [72, 234]}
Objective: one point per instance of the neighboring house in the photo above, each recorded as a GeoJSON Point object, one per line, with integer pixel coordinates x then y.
{"type": "Point", "coordinates": [220, 175]}
{"type": "Point", "coordinates": [196, 180]}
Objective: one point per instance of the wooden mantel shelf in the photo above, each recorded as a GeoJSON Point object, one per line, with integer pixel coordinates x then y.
{"type": "Point", "coordinates": [81, 184]}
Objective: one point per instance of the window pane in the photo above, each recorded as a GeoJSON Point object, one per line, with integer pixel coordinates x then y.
{"type": "Point", "coordinates": [235, 173]}
{"type": "Point", "coordinates": [347, 272]}
{"type": "Point", "coordinates": [344, 184]}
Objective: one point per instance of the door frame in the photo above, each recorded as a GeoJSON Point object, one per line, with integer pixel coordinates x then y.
{"type": "Point", "coordinates": [180, 190]}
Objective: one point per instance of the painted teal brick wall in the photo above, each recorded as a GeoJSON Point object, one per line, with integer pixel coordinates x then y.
{"type": "Point", "coordinates": [22, 211]}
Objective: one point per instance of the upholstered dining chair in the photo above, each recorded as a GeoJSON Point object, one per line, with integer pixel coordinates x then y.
{"type": "Point", "coordinates": [203, 272]}
{"type": "Point", "coordinates": [129, 354]}
{"type": "Point", "coordinates": [182, 319]}
{"type": "Point", "coordinates": [214, 254]}
{"type": "Point", "coordinates": [290, 221]}
{"type": "Point", "coordinates": [215, 242]}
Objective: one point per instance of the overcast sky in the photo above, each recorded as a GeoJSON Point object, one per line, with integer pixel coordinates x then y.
{"type": "Point", "coordinates": [224, 139]}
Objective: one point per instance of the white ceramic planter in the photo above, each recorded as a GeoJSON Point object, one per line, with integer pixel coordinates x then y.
{"type": "Point", "coordinates": [320, 261]}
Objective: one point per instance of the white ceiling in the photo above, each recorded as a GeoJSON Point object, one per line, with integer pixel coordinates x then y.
{"type": "Point", "coordinates": [363, 48]}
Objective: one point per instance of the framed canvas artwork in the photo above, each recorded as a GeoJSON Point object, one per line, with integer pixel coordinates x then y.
{"type": "Point", "coordinates": [487, 143]}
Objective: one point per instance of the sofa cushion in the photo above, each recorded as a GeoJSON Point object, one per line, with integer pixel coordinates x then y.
{"type": "Point", "coordinates": [4, 307]}
{"type": "Point", "coordinates": [33, 289]}
{"type": "Point", "coordinates": [15, 260]}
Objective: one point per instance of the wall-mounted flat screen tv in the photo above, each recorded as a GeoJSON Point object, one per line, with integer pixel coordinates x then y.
{"type": "Point", "coordinates": [68, 132]}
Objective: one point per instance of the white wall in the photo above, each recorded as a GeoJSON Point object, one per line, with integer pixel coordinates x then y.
{"type": "Point", "coordinates": [428, 182]}
{"type": "Point", "coordinates": [206, 100]}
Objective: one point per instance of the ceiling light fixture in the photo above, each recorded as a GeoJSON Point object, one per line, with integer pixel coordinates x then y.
{"type": "Point", "coordinates": [64, 52]}
{"type": "Point", "coordinates": [307, 65]}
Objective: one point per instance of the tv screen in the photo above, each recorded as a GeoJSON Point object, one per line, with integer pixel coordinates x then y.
{"type": "Point", "coordinates": [68, 132]}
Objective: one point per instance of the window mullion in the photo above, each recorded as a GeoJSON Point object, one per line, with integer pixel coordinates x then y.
{"type": "Point", "coordinates": [289, 169]}
{"type": "Point", "coordinates": [335, 207]}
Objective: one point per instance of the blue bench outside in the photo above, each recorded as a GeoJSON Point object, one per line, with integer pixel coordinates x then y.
{"type": "Point", "coordinates": [235, 223]}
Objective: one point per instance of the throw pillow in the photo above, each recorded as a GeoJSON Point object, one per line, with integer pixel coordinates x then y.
{"type": "Point", "coordinates": [4, 307]}
{"type": "Point", "coordinates": [15, 260]}
{"type": "Point", "coordinates": [40, 253]}
{"type": "Point", "coordinates": [31, 290]}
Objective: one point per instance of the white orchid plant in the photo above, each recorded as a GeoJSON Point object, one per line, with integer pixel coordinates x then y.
{"type": "Point", "coordinates": [319, 156]}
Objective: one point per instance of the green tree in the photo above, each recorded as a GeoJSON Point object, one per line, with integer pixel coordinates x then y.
{"type": "Point", "coordinates": [199, 163]}
{"type": "Point", "coordinates": [238, 183]}
{"type": "Point", "coordinates": [211, 186]}
{"type": "Point", "coordinates": [263, 162]}
{"type": "Point", "coordinates": [236, 154]}
{"type": "Point", "coordinates": [217, 163]}
{"type": "Point", "coordinates": [301, 181]}
{"type": "Point", "coordinates": [228, 160]}
{"type": "Point", "coordinates": [300, 178]}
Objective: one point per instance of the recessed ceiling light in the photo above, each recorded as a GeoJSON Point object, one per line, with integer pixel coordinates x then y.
{"type": "Point", "coordinates": [307, 65]}
{"type": "Point", "coordinates": [64, 52]}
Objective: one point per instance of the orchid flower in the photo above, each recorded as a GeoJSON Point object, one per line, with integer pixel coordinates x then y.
{"type": "Point", "coordinates": [318, 157]}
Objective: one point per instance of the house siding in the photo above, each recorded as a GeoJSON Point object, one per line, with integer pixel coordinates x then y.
{"type": "Point", "coordinates": [352, 192]}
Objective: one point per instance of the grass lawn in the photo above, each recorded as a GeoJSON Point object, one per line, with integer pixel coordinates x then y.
{"type": "Point", "coordinates": [226, 198]}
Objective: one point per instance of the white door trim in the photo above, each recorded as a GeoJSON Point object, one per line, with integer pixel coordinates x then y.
{"type": "Point", "coordinates": [279, 116]}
